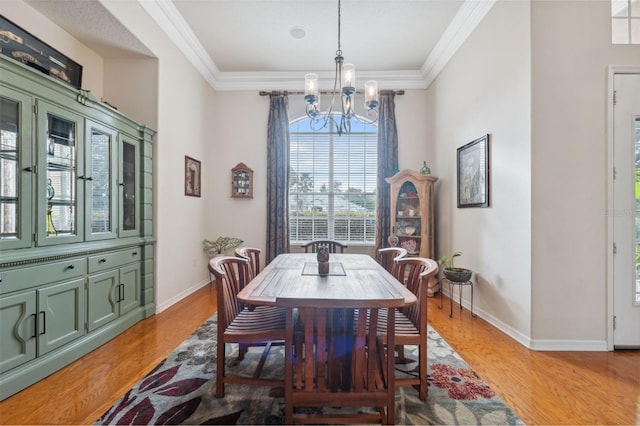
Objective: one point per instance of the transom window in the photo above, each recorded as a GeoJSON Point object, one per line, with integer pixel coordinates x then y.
{"type": "Point", "coordinates": [625, 21]}
{"type": "Point", "coordinates": [332, 183]}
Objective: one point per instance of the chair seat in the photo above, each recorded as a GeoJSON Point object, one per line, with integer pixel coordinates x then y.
{"type": "Point", "coordinates": [264, 322]}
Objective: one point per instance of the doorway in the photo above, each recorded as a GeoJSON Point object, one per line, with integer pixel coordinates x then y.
{"type": "Point", "coordinates": [624, 209]}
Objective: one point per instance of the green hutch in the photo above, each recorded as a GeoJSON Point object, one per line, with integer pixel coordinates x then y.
{"type": "Point", "coordinates": [76, 222]}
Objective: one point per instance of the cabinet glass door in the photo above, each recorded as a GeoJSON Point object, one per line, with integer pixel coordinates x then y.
{"type": "Point", "coordinates": [99, 182]}
{"type": "Point", "coordinates": [16, 170]}
{"type": "Point", "coordinates": [60, 219]}
{"type": "Point", "coordinates": [129, 210]}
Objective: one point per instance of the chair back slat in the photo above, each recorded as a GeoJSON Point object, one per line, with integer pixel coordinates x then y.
{"type": "Point", "coordinates": [334, 246]}
{"type": "Point", "coordinates": [253, 256]}
{"type": "Point", "coordinates": [415, 273]}
{"type": "Point", "coordinates": [231, 274]}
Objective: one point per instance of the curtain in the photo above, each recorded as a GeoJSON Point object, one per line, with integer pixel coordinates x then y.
{"type": "Point", "coordinates": [387, 165]}
{"type": "Point", "coordinates": [277, 177]}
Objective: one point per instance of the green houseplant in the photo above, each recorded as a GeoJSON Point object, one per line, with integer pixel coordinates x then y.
{"type": "Point", "coordinates": [451, 272]}
{"type": "Point", "coordinates": [219, 246]}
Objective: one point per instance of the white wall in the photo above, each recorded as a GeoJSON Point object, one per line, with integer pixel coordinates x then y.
{"type": "Point", "coordinates": [485, 89]}
{"type": "Point", "coordinates": [571, 49]}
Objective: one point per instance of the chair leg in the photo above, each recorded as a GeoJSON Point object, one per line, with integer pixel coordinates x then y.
{"type": "Point", "coordinates": [242, 350]}
{"type": "Point", "coordinates": [220, 369]}
{"type": "Point", "coordinates": [422, 349]}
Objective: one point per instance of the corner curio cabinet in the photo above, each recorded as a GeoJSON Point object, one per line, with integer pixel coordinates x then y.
{"type": "Point", "coordinates": [76, 243]}
{"type": "Point", "coordinates": [412, 215]}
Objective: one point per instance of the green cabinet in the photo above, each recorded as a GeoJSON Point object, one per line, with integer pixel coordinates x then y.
{"type": "Point", "coordinates": [76, 223]}
{"type": "Point", "coordinates": [38, 321]}
{"type": "Point", "coordinates": [113, 292]}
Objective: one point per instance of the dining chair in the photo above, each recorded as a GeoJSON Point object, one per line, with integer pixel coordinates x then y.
{"type": "Point", "coordinates": [388, 257]}
{"type": "Point", "coordinates": [334, 246]}
{"type": "Point", "coordinates": [262, 326]}
{"type": "Point", "coordinates": [253, 256]}
{"type": "Point", "coordinates": [311, 359]}
{"type": "Point", "coordinates": [411, 321]}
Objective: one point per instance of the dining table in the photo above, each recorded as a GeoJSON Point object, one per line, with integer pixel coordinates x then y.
{"type": "Point", "coordinates": [351, 278]}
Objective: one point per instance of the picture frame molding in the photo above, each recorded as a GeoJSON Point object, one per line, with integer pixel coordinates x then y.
{"type": "Point", "coordinates": [476, 151]}
{"type": "Point", "coordinates": [192, 177]}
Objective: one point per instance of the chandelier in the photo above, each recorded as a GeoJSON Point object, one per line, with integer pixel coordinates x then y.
{"type": "Point", "coordinates": [345, 76]}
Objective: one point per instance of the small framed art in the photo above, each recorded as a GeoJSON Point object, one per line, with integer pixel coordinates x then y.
{"type": "Point", "coordinates": [191, 177]}
{"type": "Point", "coordinates": [473, 173]}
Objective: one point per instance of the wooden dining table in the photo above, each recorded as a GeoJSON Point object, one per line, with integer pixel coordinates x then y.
{"type": "Point", "coordinates": [351, 277]}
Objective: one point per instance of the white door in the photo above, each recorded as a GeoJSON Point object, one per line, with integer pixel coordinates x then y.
{"type": "Point", "coordinates": [626, 220]}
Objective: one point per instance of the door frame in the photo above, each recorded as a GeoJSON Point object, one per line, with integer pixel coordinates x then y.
{"type": "Point", "coordinates": [612, 71]}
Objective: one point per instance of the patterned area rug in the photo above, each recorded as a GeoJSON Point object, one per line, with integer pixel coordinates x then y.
{"type": "Point", "coordinates": [180, 390]}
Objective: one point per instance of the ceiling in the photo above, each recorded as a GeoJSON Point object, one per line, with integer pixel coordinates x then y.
{"type": "Point", "coordinates": [248, 44]}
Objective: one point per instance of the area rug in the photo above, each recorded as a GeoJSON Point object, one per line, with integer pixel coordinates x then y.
{"type": "Point", "coordinates": [180, 390]}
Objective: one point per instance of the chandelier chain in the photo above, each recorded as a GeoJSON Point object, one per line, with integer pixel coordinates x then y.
{"type": "Point", "coordinates": [339, 51]}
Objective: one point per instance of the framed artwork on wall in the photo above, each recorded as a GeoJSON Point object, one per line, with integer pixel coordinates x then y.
{"type": "Point", "coordinates": [191, 177]}
{"type": "Point", "coordinates": [473, 173]}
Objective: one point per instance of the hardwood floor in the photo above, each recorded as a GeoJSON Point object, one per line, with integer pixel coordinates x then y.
{"type": "Point", "coordinates": [541, 387]}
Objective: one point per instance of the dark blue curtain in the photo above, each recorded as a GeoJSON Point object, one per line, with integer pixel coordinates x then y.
{"type": "Point", "coordinates": [277, 177]}
{"type": "Point", "coordinates": [387, 165]}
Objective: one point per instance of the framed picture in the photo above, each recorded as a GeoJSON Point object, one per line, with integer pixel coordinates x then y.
{"type": "Point", "coordinates": [473, 173]}
{"type": "Point", "coordinates": [33, 52]}
{"type": "Point", "coordinates": [191, 177]}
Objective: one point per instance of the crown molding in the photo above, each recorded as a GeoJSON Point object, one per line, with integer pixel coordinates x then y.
{"type": "Point", "coordinates": [462, 25]}
{"type": "Point", "coordinates": [166, 15]}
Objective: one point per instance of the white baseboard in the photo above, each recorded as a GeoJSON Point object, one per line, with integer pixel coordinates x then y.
{"type": "Point", "coordinates": [541, 344]}
{"type": "Point", "coordinates": [178, 297]}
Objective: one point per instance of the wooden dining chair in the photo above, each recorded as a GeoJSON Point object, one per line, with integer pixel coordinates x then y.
{"type": "Point", "coordinates": [411, 322]}
{"type": "Point", "coordinates": [388, 257]}
{"type": "Point", "coordinates": [253, 256]}
{"type": "Point", "coordinates": [334, 246]}
{"type": "Point", "coordinates": [262, 326]}
{"type": "Point", "coordinates": [314, 373]}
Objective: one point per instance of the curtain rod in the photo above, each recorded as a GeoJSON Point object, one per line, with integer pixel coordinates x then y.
{"type": "Point", "coordinates": [286, 92]}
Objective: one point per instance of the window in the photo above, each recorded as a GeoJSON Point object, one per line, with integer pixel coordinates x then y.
{"type": "Point", "coordinates": [625, 21]}
{"type": "Point", "coordinates": [332, 183]}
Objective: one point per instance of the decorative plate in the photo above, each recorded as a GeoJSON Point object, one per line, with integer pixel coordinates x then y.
{"type": "Point", "coordinates": [409, 245]}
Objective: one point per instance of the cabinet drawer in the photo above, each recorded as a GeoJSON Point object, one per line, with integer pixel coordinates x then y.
{"type": "Point", "coordinates": [114, 259]}
{"type": "Point", "coordinates": [31, 276]}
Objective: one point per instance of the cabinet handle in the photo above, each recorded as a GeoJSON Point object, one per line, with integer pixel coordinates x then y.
{"type": "Point", "coordinates": [71, 267]}
{"type": "Point", "coordinates": [44, 322]}
{"type": "Point", "coordinates": [81, 177]}
{"type": "Point", "coordinates": [89, 178]}
{"type": "Point", "coordinates": [102, 261]}
{"type": "Point", "coordinates": [28, 169]}
{"type": "Point", "coordinates": [120, 292]}
{"type": "Point", "coordinates": [135, 253]}
{"type": "Point", "coordinates": [35, 325]}
{"type": "Point", "coordinates": [121, 184]}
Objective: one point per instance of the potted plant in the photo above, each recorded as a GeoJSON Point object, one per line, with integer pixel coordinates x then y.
{"type": "Point", "coordinates": [219, 246]}
{"type": "Point", "coordinates": [452, 273]}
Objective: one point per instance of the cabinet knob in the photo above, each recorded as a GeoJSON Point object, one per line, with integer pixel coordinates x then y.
{"type": "Point", "coordinates": [102, 260]}
{"type": "Point", "coordinates": [81, 177]}
{"type": "Point", "coordinates": [135, 253]}
{"type": "Point", "coordinates": [89, 178]}
{"type": "Point", "coordinates": [71, 267]}
{"type": "Point", "coordinates": [28, 169]}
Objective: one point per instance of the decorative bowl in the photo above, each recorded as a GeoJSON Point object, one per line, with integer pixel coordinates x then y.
{"type": "Point", "coordinates": [457, 275]}
{"type": "Point", "coordinates": [409, 230]}
{"type": "Point", "coordinates": [409, 245]}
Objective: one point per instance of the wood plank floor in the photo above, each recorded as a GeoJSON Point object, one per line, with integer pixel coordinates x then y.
{"type": "Point", "coordinates": [542, 387]}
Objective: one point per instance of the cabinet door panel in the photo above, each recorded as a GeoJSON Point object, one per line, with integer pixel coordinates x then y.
{"type": "Point", "coordinates": [130, 281]}
{"type": "Point", "coordinates": [17, 329]}
{"type": "Point", "coordinates": [16, 169]}
{"type": "Point", "coordinates": [60, 202]}
{"type": "Point", "coordinates": [61, 314]}
{"type": "Point", "coordinates": [102, 299]}
{"type": "Point", "coordinates": [129, 186]}
{"type": "Point", "coordinates": [100, 181]}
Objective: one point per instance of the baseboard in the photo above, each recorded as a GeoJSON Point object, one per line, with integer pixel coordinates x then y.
{"type": "Point", "coordinates": [539, 344]}
{"type": "Point", "coordinates": [178, 297]}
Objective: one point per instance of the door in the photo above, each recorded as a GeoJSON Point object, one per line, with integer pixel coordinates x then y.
{"type": "Point", "coordinates": [61, 314]}
{"type": "Point", "coordinates": [626, 203]}
{"type": "Point", "coordinates": [17, 330]}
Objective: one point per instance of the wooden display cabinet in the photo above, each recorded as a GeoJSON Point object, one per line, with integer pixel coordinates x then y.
{"type": "Point", "coordinates": [412, 215]}
{"type": "Point", "coordinates": [241, 181]}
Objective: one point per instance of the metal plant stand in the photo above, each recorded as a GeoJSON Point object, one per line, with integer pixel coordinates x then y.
{"type": "Point", "coordinates": [459, 284]}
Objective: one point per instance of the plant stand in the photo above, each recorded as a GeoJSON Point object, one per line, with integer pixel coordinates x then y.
{"type": "Point", "coordinates": [459, 284]}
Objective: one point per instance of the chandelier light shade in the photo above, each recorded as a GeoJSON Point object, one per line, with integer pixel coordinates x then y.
{"type": "Point", "coordinates": [345, 76]}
